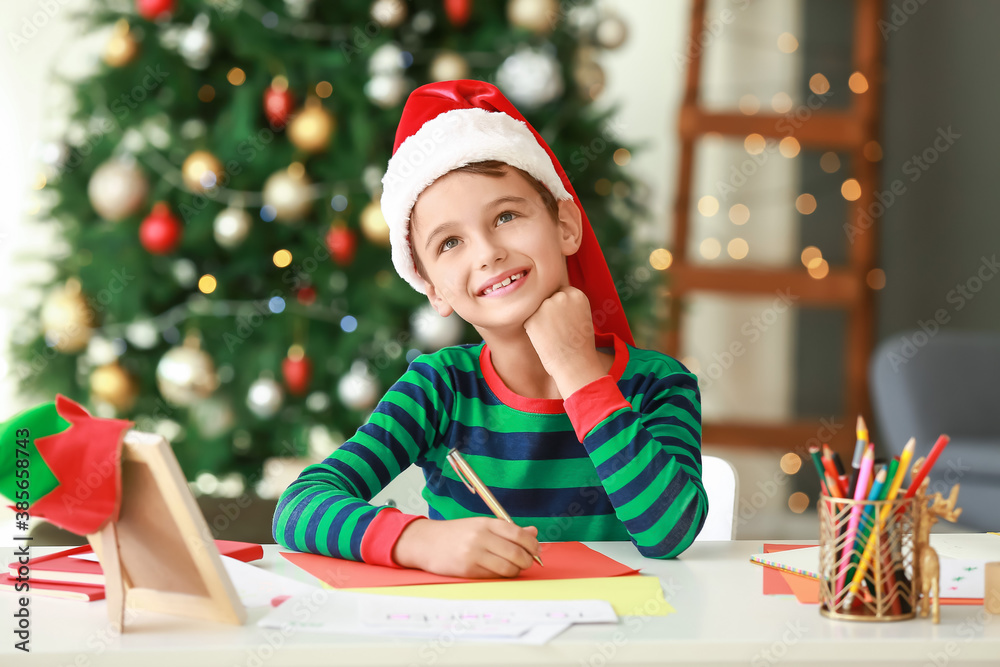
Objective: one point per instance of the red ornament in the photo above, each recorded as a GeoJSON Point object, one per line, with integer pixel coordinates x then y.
{"type": "Point", "coordinates": [154, 9]}
{"type": "Point", "coordinates": [306, 296]}
{"type": "Point", "coordinates": [278, 103]}
{"type": "Point", "coordinates": [458, 11]}
{"type": "Point", "coordinates": [342, 243]}
{"type": "Point", "coordinates": [161, 231]}
{"type": "Point", "coordinates": [296, 368]}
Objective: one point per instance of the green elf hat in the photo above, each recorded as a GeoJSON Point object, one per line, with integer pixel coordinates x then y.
{"type": "Point", "coordinates": [64, 463]}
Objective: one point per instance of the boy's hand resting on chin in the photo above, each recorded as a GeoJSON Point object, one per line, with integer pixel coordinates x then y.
{"type": "Point", "coordinates": [562, 333]}
{"type": "Point", "coordinates": [479, 548]}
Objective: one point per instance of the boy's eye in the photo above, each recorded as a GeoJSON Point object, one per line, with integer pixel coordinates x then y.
{"type": "Point", "coordinates": [506, 216]}
{"type": "Point", "coordinates": [449, 243]}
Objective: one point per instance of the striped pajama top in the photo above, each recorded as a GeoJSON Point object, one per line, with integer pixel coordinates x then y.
{"type": "Point", "coordinates": [620, 459]}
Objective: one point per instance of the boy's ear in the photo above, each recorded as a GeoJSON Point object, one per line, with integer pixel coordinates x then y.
{"type": "Point", "coordinates": [570, 227]}
{"type": "Point", "coordinates": [437, 300]}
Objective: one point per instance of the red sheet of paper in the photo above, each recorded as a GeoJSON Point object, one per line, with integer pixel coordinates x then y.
{"type": "Point", "coordinates": [563, 560]}
{"type": "Point", "coordinates": [774, 583]}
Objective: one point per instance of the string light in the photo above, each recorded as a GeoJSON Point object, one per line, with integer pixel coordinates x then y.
{"type": "Point", "coordinates": [603, 187]}
{"type": "Point", "coordinates": [875, 279]}
{"type": "Point", "coordinates": [661, 259]}
{"type": "Point", "coordinates": [789, 147]}
{"type": "Point", "coordinates": [851, 189]}
{"type": "Point", "coordinates": [282, 258]}
{"type": "Point", "coordinates": [749, 105]}
{"type": "Point", "coordinates": [798, 502]}
{"type": "Point", "coordinates": [236, 76]}
{"type": "Point", "coordinates": [811, 256]}
{"type": "Point", "coordinates": [708, 206]}
{"type": "Point", "coordinates": [790, 463]}
{"type": "Point", "coordinates": [739, 214]}
{"type": "Point", "coordinates": [873, 151]}
{"type": "Point", "coordinates": [820, 270]}
{"type": "Point", "coordinates": [622, 157]}
{"type": "Point", "coordinates": [738, 248]}
{"type": "Point", "coordinates": [710, 248]}
{"type": "Point", "coordinates": [819, 84]}
{"type": "Point", "coordinates": [754, 144]}
{"type": "Point", "coordinates": [207, 283]}
{"type": "Point", "coordinates": [787, 42]}
{"type": "Point", "coordinates": [858, 83]}
{"type": "Point", "coordinates": [781, 102]}
{"type": "Point", "coordinates": [829, 162]}
{"type": "Point", "coordinates": [324, 89]}
{"type": "Point", "coordinates": [206, 93]}
{"type": "Point", "coordinates": [805, 204]}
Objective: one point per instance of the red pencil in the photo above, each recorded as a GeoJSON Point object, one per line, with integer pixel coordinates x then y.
{"type": "Point", "coordinates": [936, 450]}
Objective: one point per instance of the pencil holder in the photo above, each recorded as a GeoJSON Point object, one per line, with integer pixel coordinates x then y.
{"type": "Point", "coordinates": [866, 563]}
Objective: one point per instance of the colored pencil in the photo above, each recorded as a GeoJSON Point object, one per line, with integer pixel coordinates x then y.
{"type": "Point", "coordinates": [859, 451]}
{"type": "Point", "coordinates": [867, 463]}
{"type": "Point", "coordinates": [929, 462]}
{"type": "Point", "coordinates": [814, 455]}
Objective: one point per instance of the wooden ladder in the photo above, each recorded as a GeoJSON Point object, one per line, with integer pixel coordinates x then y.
{"type": "Point", "coordinates": [843, 287]}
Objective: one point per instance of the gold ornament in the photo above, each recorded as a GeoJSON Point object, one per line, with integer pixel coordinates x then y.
{"type": "Point", "coordinates": [289, 192]}
{"type": "Point", "coordinates": [186, 374]}
{"type": "Point", "coordinates": [201, 171]}
{"type": "Point", "coordinates": [611, 32]}
{"type": "Point", "coordinates": [312, 127]}
{"type": "Point", "coordinates": [448, 66]}
{"type": "Point", "coordinates": [122, 47]}
{"type": "Point", "coordinates": [373, 224]}
{"type": "Point", "coordinates": [66, 318]}
{"type": "Point", "coordinates": [588, 74]}
{"type": "Point", "coordinates": [112, 384]}
{"type": "Point", "coordinates": [538, 16]}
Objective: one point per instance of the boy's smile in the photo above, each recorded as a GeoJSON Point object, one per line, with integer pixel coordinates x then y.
{"type": "Point", "coordinates": [490, 248]}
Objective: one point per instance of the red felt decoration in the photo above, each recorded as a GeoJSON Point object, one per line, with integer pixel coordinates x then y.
{"type": "Point", "coordinates": [278, 105]}
{"type": "Point", "coordinates": [458, 11]}
{"type": "Point", "coordinates": [296, 368]}
{"type": "Point", "coordinates": [161, 231]}
{"type": "Point", "coordinates": [342, 244]}
{"type": "Point", "coordinates": [154, 9]}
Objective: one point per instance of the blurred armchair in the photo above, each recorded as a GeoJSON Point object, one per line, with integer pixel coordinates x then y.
{"type": "Point", "coordinates": [949, 382]}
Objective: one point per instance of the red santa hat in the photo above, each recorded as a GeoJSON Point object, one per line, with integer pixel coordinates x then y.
{"type": "Point", "coordinates": [449, 124]}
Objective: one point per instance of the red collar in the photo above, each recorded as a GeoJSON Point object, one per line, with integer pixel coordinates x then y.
{"type": "Point", "coordinates": [549, 406]}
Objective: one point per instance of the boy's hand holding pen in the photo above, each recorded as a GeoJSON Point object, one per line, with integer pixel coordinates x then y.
{"type": "Point", "coordinates": [479, 547]}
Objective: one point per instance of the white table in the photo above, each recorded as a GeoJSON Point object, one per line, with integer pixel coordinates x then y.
{"type": "Point", "coordinates": [722, 618]}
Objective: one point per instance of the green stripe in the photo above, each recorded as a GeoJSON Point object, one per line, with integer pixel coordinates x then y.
{"type": "Point", "coordinates": [553, 474]}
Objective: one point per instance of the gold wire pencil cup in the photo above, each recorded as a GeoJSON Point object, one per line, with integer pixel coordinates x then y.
{"type": "Point", "coordinates": [866, 565]}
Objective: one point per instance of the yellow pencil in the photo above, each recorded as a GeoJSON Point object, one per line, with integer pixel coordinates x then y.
{"type": "Point", "coordinates": [897, 481]}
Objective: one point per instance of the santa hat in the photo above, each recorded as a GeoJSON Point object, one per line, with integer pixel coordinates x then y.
{"type": "Point", "coordinates": [450, 124]}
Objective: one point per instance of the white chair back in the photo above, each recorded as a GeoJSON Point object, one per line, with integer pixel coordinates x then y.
{"type": "Point", "coordinates": [722, 486]}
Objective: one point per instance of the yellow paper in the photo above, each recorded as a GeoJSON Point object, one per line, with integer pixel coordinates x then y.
{"type": "Point", "coordinates": [633, 595]}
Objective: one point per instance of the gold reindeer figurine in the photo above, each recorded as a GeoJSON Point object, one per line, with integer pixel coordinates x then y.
{"type": "Point", "coordinates": [927, 572]}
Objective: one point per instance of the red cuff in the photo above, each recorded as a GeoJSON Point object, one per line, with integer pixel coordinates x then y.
{"type": "Point", "coordinates": [592, 403]}
{"type": "Point", "coordinates": [382, 534]}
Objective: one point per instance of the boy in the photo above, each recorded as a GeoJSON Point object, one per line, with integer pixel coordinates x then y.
{"type": "Point", "coordinates": [579, 435]}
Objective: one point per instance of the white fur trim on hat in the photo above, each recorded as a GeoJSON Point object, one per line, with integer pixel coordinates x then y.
{"type": "Point", "coordinates": [448, 141]}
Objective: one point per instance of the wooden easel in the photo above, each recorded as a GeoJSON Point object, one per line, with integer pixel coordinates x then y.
{"type": "Point", "coordinates": [159, 554]}
{"type": "Point", "coordinates": [849, 130]}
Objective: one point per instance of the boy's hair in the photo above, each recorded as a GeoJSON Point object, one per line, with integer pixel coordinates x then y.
{"type": "Point", "coordinates": [496, 169]}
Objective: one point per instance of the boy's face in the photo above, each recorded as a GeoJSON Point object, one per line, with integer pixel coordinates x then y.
{"type": "Point", "coordinates": [473, 231]}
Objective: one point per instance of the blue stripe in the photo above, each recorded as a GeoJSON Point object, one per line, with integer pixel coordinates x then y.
{"type": "Point", "coordinates": [517, 446]}
{"type": "Point", "coordinates": [288, 537]}
{"type": "Point", "coordinates": [648, 519]}
{"type": "Point", "coordinates": [531, 502]}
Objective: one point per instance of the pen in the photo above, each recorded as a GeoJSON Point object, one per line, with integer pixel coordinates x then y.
{"type": "Point", "coordinates": [476, 486]}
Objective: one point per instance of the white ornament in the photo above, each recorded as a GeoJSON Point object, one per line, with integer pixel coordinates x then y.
{"type": "Point", "coordinates": [290, 195]}
{"type": "Point", "coordinates": [142, 334]}
{"type": "Point", "coordinates": [530, 77]}
{"type": "Point", "coordinates": [431, 332]}
{"type": "Point", "coordinates": [386, 90]}
{"type": "Point", "coordinates": [117, 189]}
{"type": "Point", "coordinates": [101, 351]}
{"type": "Point", "coordinates": [265, 397]}
{"type": "Point", "coordinates": [611, 32]}
{"type": "Point", "coordinates": [387, 59]}
{"type": "Point", "coordinates": [390, 13]}
{"type": "Point", "coordinates": [196, 43]}
{"type": "Point", "coordinates": [357, 389]}
{"type": "Point", "coordinates": [231, 227]}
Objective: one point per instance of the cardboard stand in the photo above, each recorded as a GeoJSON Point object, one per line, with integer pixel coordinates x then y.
{"type": "Point", "coordinates": [159, 555]}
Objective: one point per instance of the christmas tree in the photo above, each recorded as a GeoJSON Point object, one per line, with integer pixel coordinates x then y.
{"type": "Point", "coordinates": [229, 282]}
